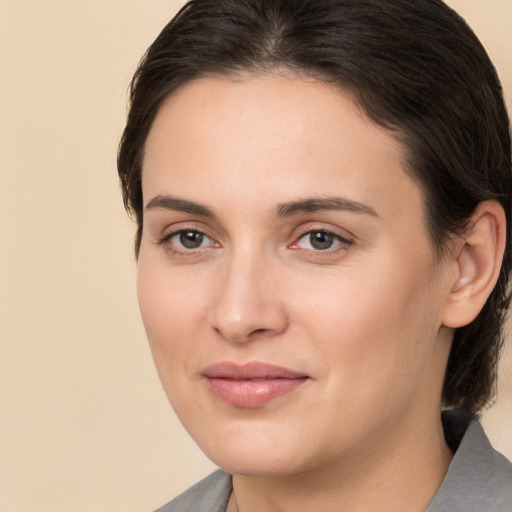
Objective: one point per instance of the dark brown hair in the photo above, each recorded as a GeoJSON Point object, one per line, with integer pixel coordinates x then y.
{"type": "Point", "coordinates": [415, 68]}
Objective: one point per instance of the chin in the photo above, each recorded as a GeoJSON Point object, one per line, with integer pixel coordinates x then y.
{"type": "Point", "coordinates": [256, 450]}
{"type": "Point", "coordinates": [250, 463]}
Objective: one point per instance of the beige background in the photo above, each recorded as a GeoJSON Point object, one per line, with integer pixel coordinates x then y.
{"type": "Point", "coordinates": [84, 425]}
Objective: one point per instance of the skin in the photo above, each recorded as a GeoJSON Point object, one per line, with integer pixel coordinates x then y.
{"type": "Point", "coordinates": [364, 319]}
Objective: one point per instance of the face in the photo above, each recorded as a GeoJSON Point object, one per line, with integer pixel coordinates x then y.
{"type": "Point", "coordinates": [286, 278]}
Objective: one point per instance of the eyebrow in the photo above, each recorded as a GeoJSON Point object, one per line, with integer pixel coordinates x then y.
{"type": "Point", "coordinates": [179, 205]}
{"type": "Point", "coordinates": [288, 209]}
{"type": "Point", "coordinates": [313, 205]}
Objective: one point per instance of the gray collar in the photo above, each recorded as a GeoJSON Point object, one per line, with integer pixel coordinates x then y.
{"type": "Point", "coordinates": [479, 478]}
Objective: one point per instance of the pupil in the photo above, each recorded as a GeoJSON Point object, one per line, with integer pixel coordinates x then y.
{"type": "Point", "coordinates": [191, 239]}
{"type": "Point", "coordinates": [321, 240]}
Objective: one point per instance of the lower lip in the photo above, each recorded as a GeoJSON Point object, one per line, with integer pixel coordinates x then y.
{"type": "Point", "coordinates": [252, 393]}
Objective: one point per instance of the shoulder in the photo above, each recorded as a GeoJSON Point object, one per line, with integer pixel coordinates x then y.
{"type": "Point", "coordinates": [209, 495]}
{"type": "Point", "coordinates": [493, 470]}
{"type": "Point", "coordinates": [479, 478]}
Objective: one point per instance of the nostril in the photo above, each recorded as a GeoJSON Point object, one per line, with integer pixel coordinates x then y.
{"type": "Point", "coordinates": [243, 312]}
{"type": "Point", "coordinates": [257, 331]}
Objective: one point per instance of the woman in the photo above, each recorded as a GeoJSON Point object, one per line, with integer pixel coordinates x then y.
{"type": "Point", "coordinates": [322, 190]}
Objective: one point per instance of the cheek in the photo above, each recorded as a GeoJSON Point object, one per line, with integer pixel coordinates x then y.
{"type": "Point", "coordinates": [171, 308]}
{"type": "Point", "coordinates": [377, 333]}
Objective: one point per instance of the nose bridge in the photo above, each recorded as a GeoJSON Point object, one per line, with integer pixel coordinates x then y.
{"type": "Point", "coordinates": [246, 301]}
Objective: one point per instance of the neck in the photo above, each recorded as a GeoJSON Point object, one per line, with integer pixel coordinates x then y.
{"type": "Point", "coordinates": [402, 473]}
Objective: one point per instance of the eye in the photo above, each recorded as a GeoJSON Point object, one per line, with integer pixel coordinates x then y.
{"type": "Point", "coordinates": [320, 240]}
{"type": "Point", "coordinates": [187, 239]}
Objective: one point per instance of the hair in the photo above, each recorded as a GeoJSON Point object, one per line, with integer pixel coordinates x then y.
{"type": "Point", "coordinates": [413, 66]}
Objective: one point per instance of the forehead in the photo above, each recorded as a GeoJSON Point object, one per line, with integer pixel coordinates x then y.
{"type": "Point", "coordinates": [243, 138]}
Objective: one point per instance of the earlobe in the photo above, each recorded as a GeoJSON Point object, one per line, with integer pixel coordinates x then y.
{"type": "Point", "coordinates": [479, 253]}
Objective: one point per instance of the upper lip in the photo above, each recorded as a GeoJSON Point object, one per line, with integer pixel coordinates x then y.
{"type": "Point", "coordinates": [253, 370]}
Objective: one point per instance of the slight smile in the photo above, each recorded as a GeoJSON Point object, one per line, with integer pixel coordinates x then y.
{"type": "Point", "coordinates": [251, 385]}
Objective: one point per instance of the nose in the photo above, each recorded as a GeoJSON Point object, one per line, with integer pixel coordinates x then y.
{"type": "Point", "coordinates": [247, 302]}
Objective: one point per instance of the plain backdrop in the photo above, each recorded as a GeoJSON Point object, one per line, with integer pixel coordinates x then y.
{"type": "Point", "coordinates": [84, 424]}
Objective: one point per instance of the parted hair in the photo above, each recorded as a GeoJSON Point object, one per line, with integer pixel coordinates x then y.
{"type": "Point", "coordinates": [413, 66]}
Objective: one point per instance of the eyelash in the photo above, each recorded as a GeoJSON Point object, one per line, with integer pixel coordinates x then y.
{"type": "Point", "coordinates": [166, 241]}
{"type": "Point", "coordinates": [343, 242]}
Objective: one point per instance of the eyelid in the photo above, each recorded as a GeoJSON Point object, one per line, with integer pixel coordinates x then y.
{"type": "Point", "coordinates": [312, 227]}
{"type": "Point", "coordinates": [174, 230]}
{"type": "Point", "coordinates": [173, 234]}
{"type": "Point", "coordinates": [345, 239]}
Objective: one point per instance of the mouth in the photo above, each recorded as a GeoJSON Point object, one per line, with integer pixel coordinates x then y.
{"type": "Point", "coordinates": [251, 385]}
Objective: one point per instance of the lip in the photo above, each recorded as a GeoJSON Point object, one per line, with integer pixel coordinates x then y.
{"type": "Point", "coordinates": [253, 384]}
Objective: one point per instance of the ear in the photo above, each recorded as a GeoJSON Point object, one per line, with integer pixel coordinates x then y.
{"type": "Point", "coordinates": [478, 254]}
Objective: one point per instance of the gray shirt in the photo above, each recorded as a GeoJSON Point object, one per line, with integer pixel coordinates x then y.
{"type": "Point", "coordinates": [479, 478]}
